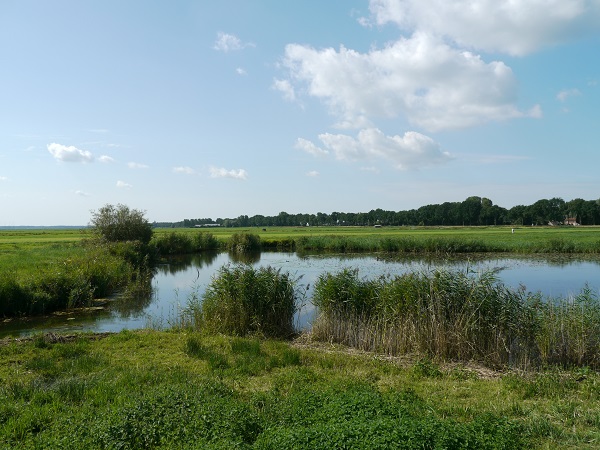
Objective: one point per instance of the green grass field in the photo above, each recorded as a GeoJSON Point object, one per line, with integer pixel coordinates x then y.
{"type": "Point", "coordinates": [590, 234]}
{"type": "Point", "coordinates": [185, 390]}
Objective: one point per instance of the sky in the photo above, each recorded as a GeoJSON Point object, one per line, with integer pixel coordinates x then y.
{"type": "Point", "coordinates": [191, 109]}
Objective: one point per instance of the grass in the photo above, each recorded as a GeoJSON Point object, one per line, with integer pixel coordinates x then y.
{"type": "Point", "coordinates": [151, 389]}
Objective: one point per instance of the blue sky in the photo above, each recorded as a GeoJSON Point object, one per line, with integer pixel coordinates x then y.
{"type": "Point", "coordinates": [194, 109]}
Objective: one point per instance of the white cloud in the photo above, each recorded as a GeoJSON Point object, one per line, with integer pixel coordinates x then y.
{"type": "Point", "coordinates": [308, 147]}
{"type": "Point", "coordinates": [106, 159]}
{"type": "Point", "coordinates": [229, 42]}
{"type": "Point", "coordinates": [515, 27]}
{"type": "Point", "coordinates": [313, 174]}
{"type": "Point", "coordinates": [123, 185]}
{"type": "Point", "coordinates": [185, 170]}
{"type": "Point", "coordinates": [3, 178]}
{"type": "Point", "coordinates": [286, 88]}
{"type": "Point", "coordinates": [134, 165]}
{"type": "Point", "coordinates": [411, 151]}
{"type": "Point", "coordinates": [241, 71]}
{"type": "Point", "coordinates": [565, 94]}
{"type": "Point", "coordinates": [82, 193]}
{"type": "Point", "coordinates": [69, 153]}
{"type": "Point", "coordinates": [421, 78]}
{"type": "Point", "coordinates": [239, 174]}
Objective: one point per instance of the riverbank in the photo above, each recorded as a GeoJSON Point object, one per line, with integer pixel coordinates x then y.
{"type": "Point", "coordinates": [176, 389]}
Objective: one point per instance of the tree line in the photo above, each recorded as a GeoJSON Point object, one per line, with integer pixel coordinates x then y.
{"type": "Point", "coordinates": [472, 211]}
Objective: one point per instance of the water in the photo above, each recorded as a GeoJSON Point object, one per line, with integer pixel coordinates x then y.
{"type": "Point", "coordinates": [174, 283]}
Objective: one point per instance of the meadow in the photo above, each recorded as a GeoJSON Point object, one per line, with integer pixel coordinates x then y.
{"type": "Point", "coordinates": [420, 361]}
{"type": "Point", "coordinates": [187, 390]}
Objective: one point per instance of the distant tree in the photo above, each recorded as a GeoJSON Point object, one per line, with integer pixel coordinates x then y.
{"type": "Point", "coordinates": [120, 223]}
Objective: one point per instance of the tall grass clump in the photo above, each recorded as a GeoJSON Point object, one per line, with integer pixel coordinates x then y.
{"type": "Point", "coordinates": [443, 314]}
{"type": "Point", "coordinates": [241, 300]}
{"type": "Point", "coordinates": [243, 243]}
{"type": "Point", "coordinates": [569, 332]}
{"type": "Point", "coordinates": [73, 282]}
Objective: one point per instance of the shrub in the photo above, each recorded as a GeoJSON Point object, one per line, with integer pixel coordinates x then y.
{"type": "Point", "coordinates": [119, 223]}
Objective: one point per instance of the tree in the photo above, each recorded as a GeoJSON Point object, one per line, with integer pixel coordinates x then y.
{"type": "Point", "coordinates": [119, 223]}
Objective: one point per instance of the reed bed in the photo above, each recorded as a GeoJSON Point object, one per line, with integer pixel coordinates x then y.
{"type": "Point", "coordinates": [452, 315]}
{"type": "Point", "coordinates": [243, 300]}
{"type": "Point", "coordinates": [174, 243]}
{"type": "Point", "coordinates": [443, 244]}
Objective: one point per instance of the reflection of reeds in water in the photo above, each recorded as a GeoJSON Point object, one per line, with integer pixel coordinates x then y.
{"type": "Point", "coordinates": [454, 315]}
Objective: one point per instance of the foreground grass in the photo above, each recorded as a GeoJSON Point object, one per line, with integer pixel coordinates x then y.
{"type": "Point", "coordinates": [152, 389]}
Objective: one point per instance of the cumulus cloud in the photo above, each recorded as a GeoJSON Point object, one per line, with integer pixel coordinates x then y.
{"type": "Point", "coordinates": [229, 42]}
{"type": "Point", "coordinates": [308, 147]}
{"type": "Point", "coordinates": [506, 26]}
{"type": "Point", "coordinates": [438, 74]}
{"type": "Point", "coordinates": [106, 159]}
{"type": "Point", "coordinates": [123, 185]}
{"type": "Point", "coordinates": [410, 151]}
{"type": "Point", "coordinates": [432, 84]}
{"type": "Point", "coordinates": [238, 174]}
{"type": "Point", "coordinates": [69, 153]}
{"type": "Point", "coordinates": [134, 165]}
{"type": "Point", "coordinates": [82, 193]}
{"type": "Point", "coordinates": [184, 170]}
{"type": "Point", "coordinates": [312, 173]}
{"type": "Point", "coordinates": [241, 71]}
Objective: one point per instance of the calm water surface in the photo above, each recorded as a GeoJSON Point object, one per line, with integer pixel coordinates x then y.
{"type": "Point", "coordinates": [174, 283]}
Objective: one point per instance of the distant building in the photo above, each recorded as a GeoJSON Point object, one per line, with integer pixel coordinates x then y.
{"type": "Point", "coordinates": [571, 221]}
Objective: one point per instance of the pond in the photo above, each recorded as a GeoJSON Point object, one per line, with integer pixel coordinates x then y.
{"type": "Point", "coordinates": [174, 283]}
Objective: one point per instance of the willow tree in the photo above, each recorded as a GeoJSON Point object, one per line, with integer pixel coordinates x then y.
{"type": "Point", "coordinates": [121, 224]}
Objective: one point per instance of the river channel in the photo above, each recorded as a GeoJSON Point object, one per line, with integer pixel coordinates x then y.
{"type": "Point", "coordinates": [182, 278]}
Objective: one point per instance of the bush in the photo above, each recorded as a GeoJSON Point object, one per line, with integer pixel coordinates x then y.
{"type": "Point", "coordinates": [241, 300]}
{"type": "Point", "coordinates": [119, 223]}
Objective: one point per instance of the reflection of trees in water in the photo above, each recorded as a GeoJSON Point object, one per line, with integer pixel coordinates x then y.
{"type": "Point", "coordinates": [245, 257]}
{"type": "Point", "coordinates": [135, 299]}
{"type": "Point", "coordinates": [181, 263]}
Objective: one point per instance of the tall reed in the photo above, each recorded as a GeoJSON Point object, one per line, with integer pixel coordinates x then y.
{"type": "Point", "coordinates": [242, 300]}
{"type": "Point", "coordinates": [243, 243]}
{"type": "Point", "coordinates": [174, 243]}
{"type": "Point", "coordinates": [569, 331]}
{"type": "Point", "coordinates": [457, 315]}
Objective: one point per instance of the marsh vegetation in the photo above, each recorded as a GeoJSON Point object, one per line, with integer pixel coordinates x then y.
{"type": "Point", "coordinates": [435, 359]}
